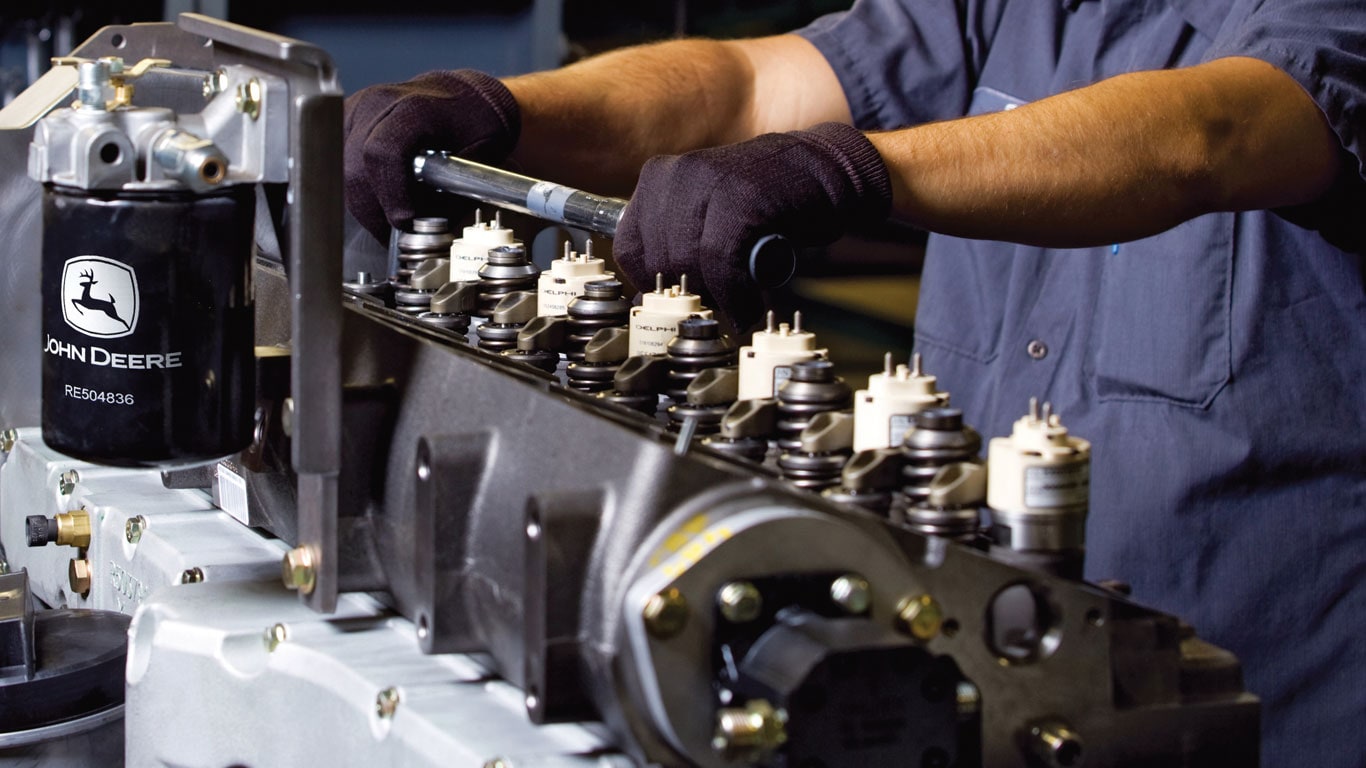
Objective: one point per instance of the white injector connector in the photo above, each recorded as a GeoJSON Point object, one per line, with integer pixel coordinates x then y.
{"type": "Point", "coordinates": [1038, 486]}
{"type": "Point", "coordinates": [655, 321]}
{"type": "Point", "coordinates": [887, 408]}
{"type": "Point", "coordinates": [767, 362]}
{"type": "Point", "coordinates": [566, 279]}
{"type": "Point", "coordinates": [471, 250]}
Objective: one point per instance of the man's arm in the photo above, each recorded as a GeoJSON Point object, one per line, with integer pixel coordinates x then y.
{"type": "Point", "coordinates": [594, 124]}
{"type": "Point", "coordinates": [1122, 159]}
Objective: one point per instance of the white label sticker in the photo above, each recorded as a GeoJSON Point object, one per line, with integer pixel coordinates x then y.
{"type": "Point", "coordinates": [1060, 486]}
{"type": "Point", "coordinates": [897, 426]}
{"type": "Point", "coordinates": [231, 493]}
{"type": "Point", "coordinates": [781, 373]}
{"type": "Point", "coordinates": [546, 200]}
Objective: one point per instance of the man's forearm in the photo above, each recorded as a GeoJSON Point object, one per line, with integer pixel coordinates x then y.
{"type": "Point", "coordinates": [1122, 159]}
{"type": "Point", "coordinates": [594, 123]}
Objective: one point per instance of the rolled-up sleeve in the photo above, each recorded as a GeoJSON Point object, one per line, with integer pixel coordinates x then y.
{"type": "Point", "coordinates": [901, 63]}
{"type": "Point", "coordinates": [1320, 43]}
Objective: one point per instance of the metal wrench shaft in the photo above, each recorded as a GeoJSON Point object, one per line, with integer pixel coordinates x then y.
{"type": "Point", "coordinates": [772, 260]}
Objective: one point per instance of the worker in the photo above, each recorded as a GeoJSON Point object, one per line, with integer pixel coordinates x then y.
{"type": "Point", "coordinates": [1149, 213]}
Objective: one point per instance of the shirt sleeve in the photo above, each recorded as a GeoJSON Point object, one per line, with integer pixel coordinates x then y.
{"type": "Point", "coordinates": [1320, 43]}
{"type": "Point", "coordinates": [903, 63]}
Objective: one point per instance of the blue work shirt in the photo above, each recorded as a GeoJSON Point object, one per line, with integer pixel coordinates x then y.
{"type": "Point", "coordinates": [1218, 368]}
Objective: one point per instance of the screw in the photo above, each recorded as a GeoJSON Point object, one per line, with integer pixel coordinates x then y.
{"type": "Point", "coordinates": [132, 530]}
{"type": "Point", "coordinates": [192, 575]}
{"type": "Point", "coordinates": [78, 576]}
{"type": "Point", "coordinates": [386, 703]}
{"type": "Point", "coordinates": [740, 602]}
{"type": "Point", "coordinates": [969, 699]}
{"type": "Point", "coordinates": [297, 570]}
{"type": "Point", "coordinates": [248, 99]}
{"type": "Point", "coordinates": [276, 635]}
{"type": "Point", "coordinates": [749, 733]}
{"type": "Point", "coordinates": [852, 593]}
{"type": "Point", "coordinates": [67, 483]}
{"type": "Point", "coordinates": [1055, 744]}
{"type": "Point", "coordinates": [921, 617]}
{"type": "Point", "coordinates": [7, 439]}
{"type": "Point", "coordinates": [666, 613]}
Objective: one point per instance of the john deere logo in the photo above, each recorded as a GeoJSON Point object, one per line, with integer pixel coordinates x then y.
{"type": "Point", "coordinates": [100, 296]}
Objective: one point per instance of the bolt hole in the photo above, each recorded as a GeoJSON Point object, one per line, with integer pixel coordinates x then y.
{"type": "Point", "coordinates": [211, 172]}
{"type": "Point", "coordinates": [110, 153]}
{"type": "Point", "coordinates": [1095, 618]}
{"type": "Point", "coordinates": [118, 40]}
{"type": "Point", "coordinates": [424, 471]}
{"type": "Point", "coordinates": [207, 43]}
{"type": "Point", "coordinates": [1022, 624]}
{"type": "Point", "coordinates": [950, 627]}
{"type": "Point", "coordinates": [422, 629]}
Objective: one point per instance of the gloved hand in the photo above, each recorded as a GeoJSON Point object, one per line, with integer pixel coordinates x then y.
{"type": "Point", "coordinates": [464, 112]}
{"type": "Point", "coordinates": [700, 213]}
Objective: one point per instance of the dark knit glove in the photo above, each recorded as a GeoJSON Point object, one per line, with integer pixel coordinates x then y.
{"type": "Point", "coordinates": [464, 112]}
{"type": "Point", "coordinates": [701, 213]}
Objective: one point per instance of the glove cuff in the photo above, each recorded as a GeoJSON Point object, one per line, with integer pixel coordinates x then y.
{"type": "Point", "coordinates": [499, 99]}
{"type": "Point", "coordinates": [864, 166]}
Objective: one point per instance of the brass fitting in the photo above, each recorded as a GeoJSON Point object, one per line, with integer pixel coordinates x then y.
{"type": "Point", "coordinates": [920, 617]}
{"type": "Point", "coordinates": [666, 613]}
{"type": "Point", "coordinates": [73, 529]}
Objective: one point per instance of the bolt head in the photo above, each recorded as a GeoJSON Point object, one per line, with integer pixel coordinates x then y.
{"type": "Point", "coordinates": [132, 530]}
{"type": "Point", "coordinates": [666, 613]}
{"type": "Point", "coordinates": [921, 617]}
{"type": "Point", "coordinates": [192, 576]}
{"type": "Point", "coordinates": [297, 570]}
{"type": "Point", "coordinates": [67, 483]}
{"type": "Point", "coordinates": [8, 439]}
{"type": "Point", "coordinates": [275, 635]}
{"type": "Point", "coordinates": [740, 602]}
{"type": "Point", "coordinates": [79, 577]}
{"type": "Point", "coordinates": [852, 593]}
{"type": "Point", "coordinates": [386, 703]}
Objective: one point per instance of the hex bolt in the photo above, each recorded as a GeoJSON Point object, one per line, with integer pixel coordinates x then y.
{"type": "Point", "coordinates": [7, 440]}
{"type": "Point", "coordinates": [275, 636]}
{"type": "Point", "coordinates": [192, 575]}
{"type": "Point", "coordinates": [852, 593]}
{"type": "Point", "coordinates": [920, 617]}
{"type": "Point", "coordinates": [386, 703]}
{"type": "Point", "coordinates": [740, 602]}
{"type": "Point", "coordinates": [287, 417]}
{"type": "Point", "coordinates": [666, 613]}
{"type": "Point", "coordinates": [78, 576]}
{"type": "Point", "coordinates": [214, 83]}
{"type": "Point", "coordinates": [749, 733]}
{"type": "Point", "coordinates": [969, 699]}
{"type": "Point", "coordinates": [132, 530]}
{"type": "Point", "coordinates": [298, 571]}
{"type": "Point", "coordinates": [67, 483]}
{"type": "Point", "coordinates": [248, 100]}
{"type": "Point", "coordinates": [1055, 744]}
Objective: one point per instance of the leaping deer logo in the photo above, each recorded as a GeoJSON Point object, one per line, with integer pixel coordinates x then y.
{"type": "Point", "coordinates": [106, 306]}
{"type": "Point", "coordinates": [99, 296]}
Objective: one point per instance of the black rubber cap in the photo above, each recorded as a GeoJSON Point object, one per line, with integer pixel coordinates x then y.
{"type": "Point", "coordinates": [41, 530]}
{"type": "Point", "coordinates": [699, 328]}
{"type": "Point", "coordinates": [814, 371]}
{"type": "Point", "coordinates": [943, 419]}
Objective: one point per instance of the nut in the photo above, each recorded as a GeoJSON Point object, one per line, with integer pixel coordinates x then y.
{"type": "Point", "coordinates": [7, 440]}
{"type": "Point", "coordinates": [78, 576]}
{"type": "Point", "coordinates": [386, 703]}
{"type": "Point", "coordinates": [192, 576]}
{"type": "Point", "coordinates": [132, 530]}
{"type": "Point", "coordinates": [740, 602]}
{"type": "Point", "coordinates": [666, 613]}
{"type": "Point", "coordinates": [298, 570]}
{"type": "Point", "coordinates": [749, 733]}
{"type": "Point", "coordinates": [920, 617]}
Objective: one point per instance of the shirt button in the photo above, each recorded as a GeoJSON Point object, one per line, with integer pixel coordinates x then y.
{"type": "Point", "coordinates": [1037, 349]}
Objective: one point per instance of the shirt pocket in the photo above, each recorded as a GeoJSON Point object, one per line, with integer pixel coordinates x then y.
{"type": "Point", "coordinates": [1162, 328]}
